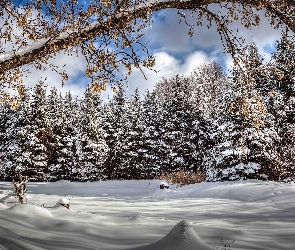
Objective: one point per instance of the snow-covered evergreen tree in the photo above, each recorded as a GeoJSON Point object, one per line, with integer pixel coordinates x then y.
{"type": "Point", "coordinates": [152, 122]}
{"type": "Point", "coordinates": [244, 141]}
{"type": "Point", "coordinates": [241, 152]}
{"type": "Point", "coordinates": [283, 70]}
{"type": "Point", "coordinates": [134, 141]}
{"type": "Point", "coordinates": [15, 137]}
{"type": "Point", "coordinates": [42, 126]}
{"type": "Point", "coordinates": [92, 148]}
{"type": "Point", "coordinates": [281, 100]}
{"type": "Point", "coordinates": [210, 91]}
{"type": "Point", "coordinates": [54, 110]}
{"type": "Point", "coordinates": [6, 120]}
{"type": "Point", "coordinates": [27, 134]}
{"type": "Point", "coordinates": [66, 157]}
{"type": "Point", "coordinates": [116, 125]}
{"type": "Point", "coordinates": [176, 143]}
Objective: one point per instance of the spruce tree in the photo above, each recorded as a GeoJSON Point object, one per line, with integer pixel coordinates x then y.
{"type": "Point", "coordinates": [66, 156]}
{"type": "Point", "coordinates": [92, 147]}
{"type": "Point", "coordinates": [152, 122]}
{"type": "Point", "coordinates": [42, 142]}
{"type": "Point", "coordinates": [116, 125]}
{"type": "Point", "coordinates": [54, 109]}
{"type": "Point", "coordinates": [7, 119]}
{"type": "Point", "coordinates": [244, 141]}
{"type": "Point", "coordinates": [281, 101]}
{"type": "Point", "coordinates": [134, 141]}
{"type": "Point", "coordinates": [177, 138]}
{"type": "Point", "coordinates": [25, 152]}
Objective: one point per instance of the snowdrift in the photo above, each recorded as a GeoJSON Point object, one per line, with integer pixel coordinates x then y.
{"type": "Point", "coordinates": [32, 210]}
{"type": "Point", "coordinates": [139, 215]}
{"type": "Point", "coordinates": [182, 236]}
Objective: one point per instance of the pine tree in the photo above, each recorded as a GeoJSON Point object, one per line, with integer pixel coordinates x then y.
{"type": "Point", "coordinates": [19, 137]}
{"type": "Point", "coordinates": [41, 142]}
{"type": "Point", "coordinates": [6, 120]}
{"type": "Point", "coordinates": [244, 141]}
{"type": "Point", "coordinates": [116, 125]}
{"type": "Point", "coordinates": [66, 156]}
{"type": "Point", "coordinates": [54, 109]}
{"type": "Point", "coordinates": [176, 144]}
{"type": "Point", "coordinates": [92, 147]}
{"type": "Point", "coordinates": [209, 87]}
{"type": "Point", "coordinates": [134, 141]}
{"type": "Point", "coordinates": [152, 123]}
{"type": "Point", "coordinates": [281, 101]}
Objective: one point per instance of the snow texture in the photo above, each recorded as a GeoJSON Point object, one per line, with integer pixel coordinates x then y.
{"type": "Point", "coordinates": [29, 209]}
{"type": "Point", "coordinates": [182, 236]}
{"type": "Point", "coordinates": [139, 215]}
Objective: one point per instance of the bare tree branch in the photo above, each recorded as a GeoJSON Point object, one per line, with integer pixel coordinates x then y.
{"type": "Point", "coordinates": [112, 23]}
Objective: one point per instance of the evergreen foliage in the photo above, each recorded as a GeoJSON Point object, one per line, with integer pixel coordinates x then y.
{"type": "Point", "coordinates": [281, 101]}
{"type": "Point", "coordinates": [206, 124]}
{"type": "Point", "coordinates": [178, 134]}
{"type": "Point", "coordinates": [92, 147]}
{"type": "Point", "coordinates": [116, 125]}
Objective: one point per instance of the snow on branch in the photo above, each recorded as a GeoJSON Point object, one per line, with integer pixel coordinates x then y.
{"type": "Point", "coordinates": [118, 23]}
{"type": "Point", "coordinates": [37, 50]}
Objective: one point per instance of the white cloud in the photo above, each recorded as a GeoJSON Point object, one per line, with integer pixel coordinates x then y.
{"type": "Point", "coordinates": [170, 36]}
{"type": "Point", "coordinates": [194, 60]}
{"type": "Point", "coordinates": [167, 66]}
{"type": "Point", "coordinates": [74, 66]}
{"type": "Point", "coordinates": [175, 53]}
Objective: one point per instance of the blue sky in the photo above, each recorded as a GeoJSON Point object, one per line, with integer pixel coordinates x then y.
{"type": "Point", "coordinates": [175, 52]}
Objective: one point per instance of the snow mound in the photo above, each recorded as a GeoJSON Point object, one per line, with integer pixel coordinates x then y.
{"type": "Point", "coordinates": [63, 202]}
{"type": "Point", "coordinates": [29, 209]}
{"type": "Point", "coordinates": [181, 237]}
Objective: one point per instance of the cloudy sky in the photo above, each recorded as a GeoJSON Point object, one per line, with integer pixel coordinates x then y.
{"type": "Point", "coordinates": [175, 52]}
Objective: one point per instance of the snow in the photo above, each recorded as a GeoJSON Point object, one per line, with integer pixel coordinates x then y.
{"type": "Point", "coordinates": [139, 215]}
{"type": "Point", "coordinates": [182, 236]}
{"type": "Point", "coordinates": [164, 184]}
{"type": "Point", "coordinates": [22, 51]}
{"type": "Point", "coordinates": [29, 209]}
{"type": "Point", "coordinates": [63, 201]}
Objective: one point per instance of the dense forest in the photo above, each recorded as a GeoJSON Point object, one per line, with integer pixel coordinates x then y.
{"type": "Point", "coordinates": [226, 127]}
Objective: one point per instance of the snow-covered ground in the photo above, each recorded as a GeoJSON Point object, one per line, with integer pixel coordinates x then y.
{"type": "Point", "coordinates": [138, 215]}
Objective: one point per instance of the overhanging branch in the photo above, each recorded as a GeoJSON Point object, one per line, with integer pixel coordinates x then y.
{"type": "Point", "coordinates": [45, 47]}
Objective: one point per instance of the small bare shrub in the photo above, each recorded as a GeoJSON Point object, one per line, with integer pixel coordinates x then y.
{"type": "Point", "coordinates": [20, 188]}
{"type": "Point", "coordinates": [182, 177]}
{"type": "Point", "coordinates": [225, 246]}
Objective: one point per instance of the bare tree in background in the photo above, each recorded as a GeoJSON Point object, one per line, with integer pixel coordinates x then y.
{"type": "Point", "coordinates": [108, 33]}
